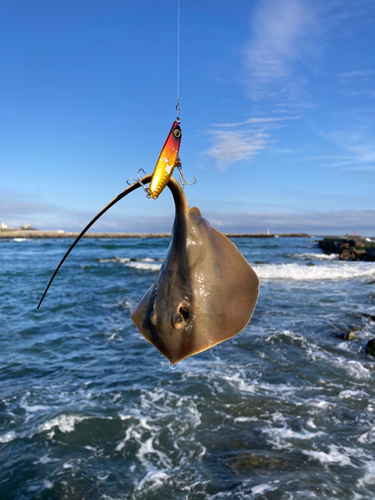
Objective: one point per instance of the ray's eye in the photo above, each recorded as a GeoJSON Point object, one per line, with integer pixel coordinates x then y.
{"type": "Point", "coordinates": [177, 132]}
{"type": "Point", "coordinates": [177, 320]}
{"type": "Point", "coordinates": [180, 318]}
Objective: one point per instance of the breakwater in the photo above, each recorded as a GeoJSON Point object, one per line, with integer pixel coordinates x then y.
{"type": "Point", "coordinates": [11, 234]}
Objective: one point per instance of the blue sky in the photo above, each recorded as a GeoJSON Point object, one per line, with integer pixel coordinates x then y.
{"type": "Point", "coordinates": [277, 112]}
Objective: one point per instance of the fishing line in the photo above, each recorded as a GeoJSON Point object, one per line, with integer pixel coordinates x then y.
{"type": "Point", "coordinates": [178, 61]}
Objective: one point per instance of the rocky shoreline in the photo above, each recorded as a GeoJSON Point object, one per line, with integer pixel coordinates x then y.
{"type": "Point", "coordinates": [12, 234]}
{"type": "Point", "coordinates": [349, 247]}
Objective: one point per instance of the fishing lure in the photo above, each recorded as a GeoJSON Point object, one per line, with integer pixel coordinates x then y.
{"type": "Point", "coordinates": [168, 160]}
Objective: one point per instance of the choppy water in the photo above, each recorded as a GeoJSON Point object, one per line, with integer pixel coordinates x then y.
{"type": "Point", "coordinates": [90, 410]}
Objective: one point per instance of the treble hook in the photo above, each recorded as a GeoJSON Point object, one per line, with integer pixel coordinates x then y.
{"type": "Point", "coordinates": [145, 189]}
{"type": "Point", "coordinates": [183, 180]}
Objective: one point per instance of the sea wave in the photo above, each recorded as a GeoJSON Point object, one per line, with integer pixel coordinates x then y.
{"type": "Point", "coordinates": [145, 263]}
{"type": "Point", "coordinates": [149, 266]}
{"type": "Point", "coordinates": [315, 256]}
{"type": "Point", "coordinates": [66, 423]}
{"type": "Point", "coordinates": [301, 272]}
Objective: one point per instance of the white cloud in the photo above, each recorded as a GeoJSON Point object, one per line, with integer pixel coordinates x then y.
{"type": "Point", "coordinates": [354, 74]}
{"type": "Point", "coordinates": [251, 137]}
{"type": "Point", "coordinates": [283, 32]}
{"type": "Point", "coordinates": [357, 151]}
{"type": "Point", "coordinates": [255, 121]}
{"type": "Point", "coordinates": [357, 83]}
{"type": "Point", "coordinates": [230, 146]}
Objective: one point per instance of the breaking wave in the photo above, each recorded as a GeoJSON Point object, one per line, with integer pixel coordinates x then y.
{"type": "Point", "coordinates": [301, 272]}
{"type": "Point", "coordinates": [146, 263]}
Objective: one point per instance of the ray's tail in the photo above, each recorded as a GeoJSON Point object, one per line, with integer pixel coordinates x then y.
{"type": "Point", "coordinates": [145, 180]}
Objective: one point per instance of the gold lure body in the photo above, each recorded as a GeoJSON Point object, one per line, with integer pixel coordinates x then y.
{"type": "Point", "coordinates": [167, 161]}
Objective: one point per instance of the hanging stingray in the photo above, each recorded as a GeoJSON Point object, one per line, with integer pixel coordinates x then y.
{"type": "Point", "coordinates": [206, 291]}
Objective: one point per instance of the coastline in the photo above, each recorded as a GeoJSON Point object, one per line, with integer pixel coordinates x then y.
{"type": "Point", "coordinates": [34, 233]}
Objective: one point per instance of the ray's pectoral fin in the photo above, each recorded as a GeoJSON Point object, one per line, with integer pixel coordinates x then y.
{"type": "Point", "coordinates": [205, 293]}
{"type": "Point", "coordinates": [233, 286]}
{"type": "Point", "coordinates": [141, 315]}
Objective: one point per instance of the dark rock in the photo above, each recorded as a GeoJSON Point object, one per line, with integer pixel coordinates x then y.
{"type": "Point", "coordinates": [369, 316]}
{"type": "Point", "coordinates": [310, 263]}
{"type": "Point", "coordinates": [347, 254]}
{"type": "Point", "coordinates": [258, 464]}
{"type": "Point", "coordinates": [360, 254]}
{"type": "Point", "coordinates": [260, 262]}
{"type": "Point", "coordinates": [370, 348]}
{"type": "Point", "coordinates": [349, 248]}
{"type": "Point", "coordinates": [370, 283]}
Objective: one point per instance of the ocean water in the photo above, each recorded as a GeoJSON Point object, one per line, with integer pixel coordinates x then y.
{"type": "Point", "coordinates": [90, 410]}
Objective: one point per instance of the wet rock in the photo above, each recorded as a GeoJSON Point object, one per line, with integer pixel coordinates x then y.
{"type": "Point", "coordinates": [347, 336]}
{"type": "Point", "coordinates": [347, 254]}
{"type": "Point", "coordinates": [310, 263]}
{"type": "Point", "coordinates": [370, 348]}
{"type": "Point", "coordinates": [360, 254]}
{"type": "Point", "coordinates": [349, 248]}
{"type": "Point", "coordinates": [258, 464]}
{"type": "Point", "coordinates": [260, 262]}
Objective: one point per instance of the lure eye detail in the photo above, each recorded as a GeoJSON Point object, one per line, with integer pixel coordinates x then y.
{"type": "Point", "coordinates": [177, 132]}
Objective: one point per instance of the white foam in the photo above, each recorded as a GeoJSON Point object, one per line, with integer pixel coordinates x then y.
{"type": "Point", "coordinates": [311, 424]}
{"type": "Point", "coordinates": [45, 459]}
{"type": "Point", "coordinates": [47, 484]}
{"type": "Point", "coordinates": [147, 448]}
{"type": "Point", "coordinates": [8, 437]}
{"type": "Point", "coordinates": [66, 423]}
{"type": "Point", "coordinates": [119, 260]}
{"type": "Point", "coordinates": [155, 477]}
{"type": "Point", "coordinates": [301, 272]}
{"type": "Point", "coordinates": [368, 437]}
{"type": "Point", "coordinates": [33, 408]}
{"type": "Point", "coordinates": [279, 436]}
{"type": "Point", "coordinates": [144, 265]}
{"type": "Point", "coordinates": [286, 333]}
{"type": "Point", "coordinates": [354, 369]}
{"type": "Point", "coordinates": [369, 477]}
{"type": "Point", "coordinates": [315, 256]}
{"type": "Point", "coordinates": [238, 382]}
{"type": "Point", "coordinates": [245, 419]}
{"type": "Point", "coordinates": [351, 394]}
{"type": "Point", "coordinates": [333, 457]}
{"type": "Point", "coordinates": [20, 239]}
{"type": "Point", "coordinates": [261, 488]}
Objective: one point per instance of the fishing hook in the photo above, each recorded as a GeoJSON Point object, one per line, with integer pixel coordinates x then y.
{"type": "Point", "coordinates": [183, 180]}
{"type": "Point", "coordinates": [145, 189]}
